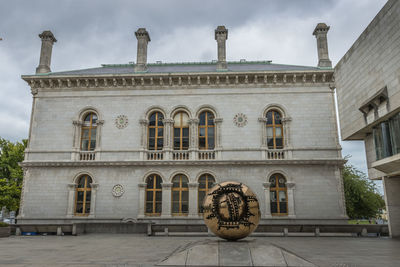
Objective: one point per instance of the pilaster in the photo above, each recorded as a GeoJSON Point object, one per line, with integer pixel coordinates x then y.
{"type": "Point", "coordinates": [71, 198]}
{"type": "Point", "coordinates": [290, 191]}
{"type": "Point", "coordinates": [267, 210]}
{"type": "Point", "coordinates": [166, 200]}
{"type": "Point", "coordinates": [93, 200]}
{"type": "Point", "coordinates": [142, 202]}
{"type": "Point", "coordinates": [193, 199]}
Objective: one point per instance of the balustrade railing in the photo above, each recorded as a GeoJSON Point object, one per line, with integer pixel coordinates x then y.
{"type": "Point", "coordinates": [206, 154]}
{"type": "Point", "coordinates": [180, 155]}
{"type": "Point", "coordinates": [276, 154]}
{"type": "Point", "coordinates": [87, 155]}
{"type": "Point", "coordinates": [155, 155]}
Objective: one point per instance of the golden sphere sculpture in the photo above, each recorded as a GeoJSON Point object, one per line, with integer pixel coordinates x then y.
{"type": "Point", "coordinates": [231, 210]}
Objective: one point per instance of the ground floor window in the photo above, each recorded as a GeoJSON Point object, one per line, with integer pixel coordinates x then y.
{"type": "Point", "coordinates": [205, 183]}
{"type": "Point", "coordinates": [278, 195]}
{"type": "Point", "coordinates": [180, 195]}
{"type": "Point", "coordinates": [153, 195]}
{"type": "Point", "coordinates": [83, 196]}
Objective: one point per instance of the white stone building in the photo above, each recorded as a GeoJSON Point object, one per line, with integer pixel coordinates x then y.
{"type": "Point", "coordinates": [368, 88]}
{"type": "Point", "coordinates": [145, 141]}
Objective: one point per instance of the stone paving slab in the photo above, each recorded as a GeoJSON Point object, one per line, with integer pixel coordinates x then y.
{"type": "Point", "coordinates": [240, 253]}
{"type": "Point", "coordinates": [141, 250]}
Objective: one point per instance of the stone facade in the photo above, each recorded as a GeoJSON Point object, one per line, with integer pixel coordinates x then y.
{"type": "Point", "coordinates": [124, 96]}
{"type": "Point", "coordinates": [368, 89]}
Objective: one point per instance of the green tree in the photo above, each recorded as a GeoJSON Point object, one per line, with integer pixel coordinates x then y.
{"type": "Point", "coordinates": [11, 174]}
{"type": "Point", "coordinates": [362, 197]}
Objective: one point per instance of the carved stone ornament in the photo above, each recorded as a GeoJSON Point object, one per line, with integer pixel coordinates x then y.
{"type": "Point", "coordinates": [121, 121]}
{"type": "Point", "coordinates": [118, 190]}
{"type": "Point", "coordinates": [231, 210]}
{"type": "Point", "coordinates": [240, 120]}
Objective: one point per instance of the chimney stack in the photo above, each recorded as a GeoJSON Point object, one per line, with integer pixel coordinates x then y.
{"type": "Point", "coordinates": [143, 38]}
{"type": "Point", "coordinates": [48, 40]}
{"type": "Point", "coordinates": [221, 35]}
{"type": "Point", "coordinates": [320, 33]}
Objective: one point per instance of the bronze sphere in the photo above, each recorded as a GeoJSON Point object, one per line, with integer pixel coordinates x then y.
{"type": "Point", "coordinates": [231, 210]}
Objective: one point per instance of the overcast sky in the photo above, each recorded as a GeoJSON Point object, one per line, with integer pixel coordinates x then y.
{"type": "Point", "coordinates": [90, 33]}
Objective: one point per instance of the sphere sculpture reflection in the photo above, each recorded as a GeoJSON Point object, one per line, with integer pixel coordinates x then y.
{"type": "Point", "coordinates": [231, 210]}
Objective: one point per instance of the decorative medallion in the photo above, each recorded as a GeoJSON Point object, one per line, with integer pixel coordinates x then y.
{"type": "Point", "coordinates": [121, 121]}
{"type": "Point", "coordinates": [240, 120]}
{"type": "Point", "coordinates": [231, 210]}
{"type": "Point", "coordinates": [118, 190]}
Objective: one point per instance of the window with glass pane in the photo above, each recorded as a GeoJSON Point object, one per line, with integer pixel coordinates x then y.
{"type": "Point", "coordinates": [206, 181]}
{"type": "Point", "coordinates": [274, 130]}
{"type": "Point", "coordinates": [206, 130]}
{"type": "Point", "coordinates": [153, 198]}
{"type": "Point", "coordinates": [156, 131]}
{"type": "Point", "coordinates": [278, 195]}
{"type": "Point", "coordinates": [181, 131]}
{"type": "Point", "coordinates": [180, 195]}
{"type": "Point", "coordinates": [382, 139]}
{"type": "Point", "coordinates": [394, 126]}
{"type": "Point", "coordinates": [88, 135]}
{"type": "Point", "coordinates": [83, 196]}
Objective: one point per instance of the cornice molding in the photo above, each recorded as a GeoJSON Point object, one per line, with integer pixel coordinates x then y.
{"type": "Point", "coordinates": [181, 162]}
{"type": "Point", "coordinates": [182, 80]}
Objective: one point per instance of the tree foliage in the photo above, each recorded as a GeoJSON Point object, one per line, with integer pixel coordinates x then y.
{"type": "Point", "coordinates": [11, 174]}
{"type": "Point", "coordinates": [362, 198]}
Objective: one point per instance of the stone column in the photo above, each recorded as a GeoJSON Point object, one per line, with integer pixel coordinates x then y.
{"type": "Point", "coordinates": [193, 138]}
{"type": "Point", "coordinates": [93, 200]}
{"type": "Point", "coordinates": [391, 187]}
{"type": "Point", "coordinates": [142, 201]}
{"type": "Point", "coordinates": [193, 199]}
{"type": "Point", "coordinates": [290, 195]}
{"type": "Point", "coordinates": [143, 39]}
{"type": "Point", "coordinates": [166, 200]}
{"type": "Point", "coordinates": [48, 40]}
{"type": "Point", "coordinates": [320, 32]}
{"type": "Point", "coordinates": [168, 126]}
{"type": "Point", "coordinates": [218, 141]}
{"type": "Point", "coordinates": [267, 210]}
{"type": "Point", "coordinates": [71, 199]}
{"type": "Point", "coordinates": [143, 140]}
{"type": "Point", "coordinates": [286, 137]}
{"type": "Point", "coordinates": [221, 35]}
{"type": "Point", "coordinates": [263, 141]}
{"type": "Point", "coordinates": [76, 139]}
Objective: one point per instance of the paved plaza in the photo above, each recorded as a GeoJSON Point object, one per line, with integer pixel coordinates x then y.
{"type": "Point", "coordinates": [141, 250]}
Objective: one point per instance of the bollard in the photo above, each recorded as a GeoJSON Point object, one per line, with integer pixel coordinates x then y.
{"type": "Point", "coordinates": [17, 231]}
{"type": "Point", "coordinates": [285, 231]}
{"type": "Point", "coordinates": [59, 231]}
{"type": "Point", "coordinates": [364, 232]}
{"type": "Point", "coordinates": [166, 231]}
{"type": "Point", "coordinates": [317, 232]}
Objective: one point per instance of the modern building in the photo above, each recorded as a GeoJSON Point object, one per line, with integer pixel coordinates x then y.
{"type": "Point", "coordinates": [146, 141]}
{"type": "Point", "coordinates": [368, 89]}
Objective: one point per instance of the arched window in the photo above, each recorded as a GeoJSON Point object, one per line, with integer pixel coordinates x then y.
{"type": "Point", "coordinates": [181, 131]}
{"type": "Point", "coordinates": [205, 183]}
{"type": "Point", "coordinates": [153, 195]}
{"type": "Point", "coordinates": [206, 130]}
{"type": "Point", "coordinates": [83, 195]}
{"type": "Point", "coordinates": [180, 195]}
{"type": "Point", "coordinates": [156, 131]}
{"type": "Point", "coordinates": [89, 131]}
{"type": "Point", "coordinates": [274, 130]}
{"type": "Point", "coordinates": [278, 195]}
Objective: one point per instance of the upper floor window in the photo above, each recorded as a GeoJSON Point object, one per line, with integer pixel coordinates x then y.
{"type": "Point", "coordinates": [89, 131]}
{"type": "Point", "coordinates": [278, 195]}
{"type": "Point", "coordinates": [156, 131]}
{"type": "Point", "coordinates": [206, 130]}
{"type": "Point", "coordinates": [274, 130]}
{"type": "Point", "coordinates": [83, 196]}
{"type": "Point", "coordinates": [181, 131]}
{"type": "Point", "coordinates": [387, 137]}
